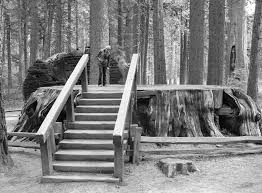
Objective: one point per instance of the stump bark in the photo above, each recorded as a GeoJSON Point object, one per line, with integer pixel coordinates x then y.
{"type": "Point", "coordinates": [172, 167]}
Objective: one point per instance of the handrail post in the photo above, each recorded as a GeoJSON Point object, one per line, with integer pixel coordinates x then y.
{"type": "Point", "coordinates": [84, 80]}
{"type": "Point", "coordinates": [46, 156]}
{"type": "Point", "coordinates": [70, 116]}
{"type": "Point", "coordinates": [119, 158]}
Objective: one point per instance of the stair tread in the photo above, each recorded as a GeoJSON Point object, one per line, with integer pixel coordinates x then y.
{"type": "Point", "coordinates": [96, 114]}
{"type": "Point", "coordinates": [98, 106]}
{"type": "Point", "coordinates": [75, 177]}
{"type": "Point", "coordinates": [84, 152]}
{"type": "Point", "coordinates": [94, 122]}
{"type": "Point", "coordinates": [89, 131]}
{"type": "Point", "coordinates": [101, 99]}
{"type": "Point", "coordinates": [83, 163]}
{"type": "Point", "coordinates": [87, 141]}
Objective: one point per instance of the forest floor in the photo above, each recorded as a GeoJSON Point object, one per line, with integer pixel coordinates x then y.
{"type": "Point", "coordinates": [223, 174]}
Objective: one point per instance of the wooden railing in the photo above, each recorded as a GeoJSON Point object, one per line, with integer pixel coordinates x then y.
{"type": "Point", "coordinates": [45, 134]}
{"type": "Point", "coordinates": [124, 117]}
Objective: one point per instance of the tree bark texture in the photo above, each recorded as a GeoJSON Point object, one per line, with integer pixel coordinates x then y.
{"type": "Point", "coordinates": [77, 26]}
{"type": "Point", "coordinates": [34, 38]}
{"type": "Point", "coordinates": [25, 34]}
{"type": "Point", "coordinates": [196, 47]}
{"type": "Point", "coordinates": [216, 58]}
{"type": "Point", "coordinates": [252, 87]}
{"type": "Point", "coordinates": [5, 159]}
{"type": "Point", "coordinates": [144, 75]}
{"type": "Point", "coordinates": [20, 40]}
{"type": "Point", "coordinates": [197, 111]}
{"type": "Point", "coordinates": [183, 59]}
{"type": "Point", "coordinates": [58, 27]}
{"type": "Point", "coordinates": [120, 23]}
{"type": "Point", "coordinates": [48, 30]}
{"type": "Point", "coordinates": [128, 34]}
{"type": "Point", "coordinates": [237, 39]}
{"type": "Point", "coordinates": [98, 34]}
{"type": "Point", "coordinates": [69, 22]}
{"type": "Point", "coordinates": [8, 48]}
{"type": "Point", "coordinates": [159, 48]}
{"type": "Point", "coordinates": [113, 23]}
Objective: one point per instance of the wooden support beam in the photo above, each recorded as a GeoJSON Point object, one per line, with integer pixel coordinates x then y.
{"type": "Point", "coordinates": [119, 159]}
{"type": "Point", "coordinates": [84, 80]}
{"type": "Point", "coordinates": [70, 113]}
{"type": "Point", "coordinates": [46, 157]}
{"type": "Point", "coordinates": [136, 144]}
{"type": "Point", "coordinates": [21, 134]}
{"type": "Point", "coordinates": [202, 140]}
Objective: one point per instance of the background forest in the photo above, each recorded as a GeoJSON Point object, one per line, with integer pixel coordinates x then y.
{"type": "Point", "coordinates": [219, 44]}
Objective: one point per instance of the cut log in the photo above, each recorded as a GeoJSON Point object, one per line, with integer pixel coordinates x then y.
{"type": "Point", "coordinates": [172, 167]}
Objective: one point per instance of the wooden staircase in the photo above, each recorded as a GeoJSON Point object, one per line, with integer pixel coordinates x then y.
{"type": "Point", "coordinates": [86, 152]}
{"type": "Point", "coordinates": [94, 143]}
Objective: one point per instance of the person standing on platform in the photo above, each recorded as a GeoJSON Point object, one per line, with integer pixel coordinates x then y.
{"type": "Point", "coordinates": [103, 58]}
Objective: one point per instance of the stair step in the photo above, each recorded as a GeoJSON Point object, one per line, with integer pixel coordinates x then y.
{"type": "Point", "coordinates": [88, 144]}
{"type": "Point", "coordinates": [95, 116]}
{"type": "Point", "coordinates": [104, 101]}
{"type": "Point", "coordinates": [82, 155]}
{"type": "Point", "coordinates": [97, 109]}
{"type": "Point", "coordinates": [68, 177]}
{"type": "Point", "coordinates": [102, 94]}
{"type": "Point", "coordinates": [95, 125]}
{"type": "Point", "coordinates": [84, 166]}
{"type": "Point", "coordinates": [91, 134]}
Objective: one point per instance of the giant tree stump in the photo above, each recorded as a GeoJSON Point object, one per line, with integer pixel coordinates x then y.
{"type": "Point", "coordinates": [172, 167]}
{"type": "Point", "coordinates": [196, 111]}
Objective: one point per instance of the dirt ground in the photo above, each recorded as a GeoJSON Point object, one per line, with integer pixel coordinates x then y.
{"type": "Point", "coordinates": [217, 175]}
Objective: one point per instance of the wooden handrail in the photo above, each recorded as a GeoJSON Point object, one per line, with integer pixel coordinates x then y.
{"type": "Point", "coordinates": [126, 97]}
{"type": "Point", "coordinates": [122, 117]}
{"type": "Point", "coordinates": [61, 100]}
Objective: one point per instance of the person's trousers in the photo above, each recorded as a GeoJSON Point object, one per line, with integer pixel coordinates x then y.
{"type": "Point", "coordinates": [102, 75]}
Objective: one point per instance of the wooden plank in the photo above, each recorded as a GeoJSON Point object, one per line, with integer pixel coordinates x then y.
{"type": "Point", "coordinates": [203, 151]}
{"type": "Point", "coordinates": [62, 98]}
{"type": "Point", "coordinates": [21, 134]}
{"type": "Point", "coordinates": [202, 140]}
{"type": "Point", "coordinates": [126, 97]}
{"type": "Point", "coordinates": [218, 98]}
{"type": "Point", "coordinates": [46, 157]}
{"type": "Point", "coordinates": [29, 145]}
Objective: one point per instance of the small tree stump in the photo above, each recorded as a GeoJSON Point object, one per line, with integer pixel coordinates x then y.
{"type": "Point", "coordinates": [172, 167]}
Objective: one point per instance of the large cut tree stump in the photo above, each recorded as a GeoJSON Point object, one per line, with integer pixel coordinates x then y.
{"type": "Point", "coordinates": [196, 111]}
{"type": "Point", "coordinates": [172, 167]}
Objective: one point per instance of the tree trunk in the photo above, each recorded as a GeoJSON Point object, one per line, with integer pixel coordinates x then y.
{"type": "Point", "coordinates": [135, 28]}
{"type": "Point", "coordinates": [196, 50]}
{"type": "Point", "coordinates": [144, 75]}
{"type": "Point", "coordinates": [25, 34]}
{"type": "Point", "coordinates": [252, 88]}
{"type": "Point", "coordinates": [20, 30]}
{"type": "Point", "coordinates": [5, 159]}
{"type": "Point", "coordinates": [120, 35]}
{"type": "Point", "coordinates": [48, 30]}
{"type": "Point", "coordinates": [113, 23]}
{"type": "Point", "coordinates": [216, 42]}
{"type": "Point", "coordinates": [34, 39]}
{"type": "Point", "coordinates": [237, 40]}
{"type": "Point", "coordinates": [159, 48]}
{"type": "Point", "coordinates": [3, 49]}
{"type": "Point", "coordinates": [77, 28]}
{"type": "Point", "coordinates": [128, 40]}
{"type": "Point", "coordinates": [8, 46]}
{"type": "Point", "coordinates": [58, 27]}
{"type": "Point", "coordinates": [183, 58]}
{"type": "Point", "coordinates": [98, 34]}
{"type": "Point", "coordinates": [69, 34]}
